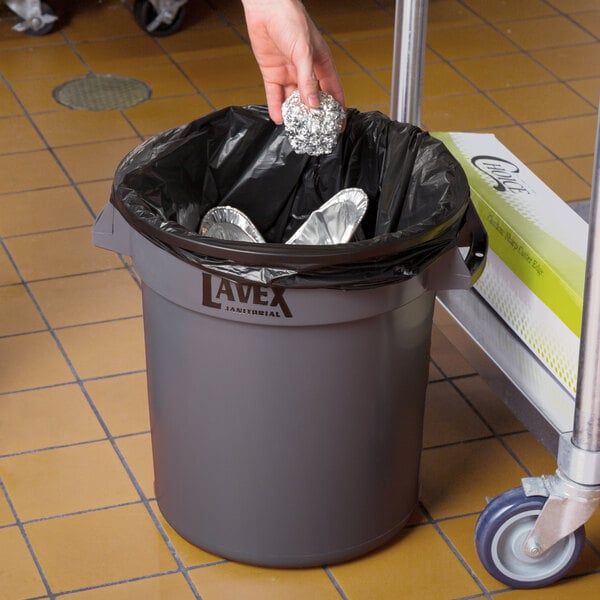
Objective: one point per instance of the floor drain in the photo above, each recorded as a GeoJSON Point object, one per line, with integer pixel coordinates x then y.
{"type": "Point", "coordinates": [102, 92]}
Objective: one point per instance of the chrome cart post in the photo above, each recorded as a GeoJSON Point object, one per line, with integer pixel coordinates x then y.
{"type": "Point", "coordinates": [409, 53]}
{"type": "Point", "coordinates": [532, 535]}
{"type": "Point", "coordinates": [586, 429]}
{"type": "Point", "coordinates": [574, 491]}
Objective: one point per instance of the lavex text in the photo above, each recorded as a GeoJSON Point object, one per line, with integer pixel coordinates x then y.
{"type": "Point", "coordinates": [254, 297]}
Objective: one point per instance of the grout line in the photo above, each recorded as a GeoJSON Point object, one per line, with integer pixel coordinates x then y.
{"type": "Point", "coordinates": [52, 187]}
{"type": "Point", "coordinates": [139, 490]}
{"type": "Point", "coordinates": [571, 577]}
{"type": "Point", "coordinates": [446, 519]}
{"type": "Point", "coordinates": [595, 549]}
{"type": "Point", "coordinates": [113, 375]}
{"type": "Point", "coordinates": [437, 365]}
{"type": "Point", "coordinates": [55, 447]}
{"type": "Point", "coordinates": [214, 563]}
{"type": "Point", "coordinates": [456, 552]}
{"type": "Point", "coordinates": [70, 228]}
{"type": "Point", "coordinates": [362, 68]}
{"type": "Point", "coordinates": [35, 389]}
{"type": "Point", "coordinates": [50, 149]}
{"type": "Point", "coordinates": [52, 153]}
{"type": "Point", "coordinates": [121, 436]}
{"type": "Point", "coordinates": [528, 54]}
{"type": "Point", "coordinates": [141, 137]}
{"type": "Point", "coordinates": [461, 376]}
{"type": "Point", "coordinates": [19, 525]}
{"type": "Point", "coordinates": [477, 411]}
{"type": "Point", "coordinates": [90, 142]}
{"type": "Point", "coordinates": [497, 593]}
{"type": "Point", "coordinates": [70, 275]}
{"type": "Point", "coordinates": [182, 71]}
{"type": "Point", "coordinates": [102, 322]}
{"type": "Point", "coordinates": [335, 583]}
{"type": "Point", "coordinates": [73, 326]}
{"type": "Point", "coordinates": [494, 434]}
{"type": "Point", "coordinates": [20, 334]}
{"type": "Point", "coordinates": [66, 110]}
{"type": "Point", "coordinates": [131, 434]}
{"type": "Point", "coordinates": [115, 583]}
{"type": "Point", "coordinates": [78, 513]}
{"type": "Point", "coordinates": [108, 434]}
{"type": "Point", "coordinates": [462, 442]}
{"type": "Point", "coordinates": [573, 21]}
{"type": "Point", "coordinates": [446, 378]}
{"type": "Point", "coordinates": [73, 382]}
{"type": "Point", "coordinates": [67, 327]}
{"type": "Point", "coordinates": [66, 276]}
{"type": "Point", "coordinates": [43, 232]}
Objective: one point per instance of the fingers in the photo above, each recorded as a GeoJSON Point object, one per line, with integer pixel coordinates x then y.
{"type": "Point", "coordinates": [310, 71]}
{"type": "Point", "coordinates": [324, 78]}
{"type": "Point", "coordinates": [275, 97]}
{"type": "Point", "coordinates": [331, 85]}
{"type": "Point", "coordinates": [308, 85]}
{"type": "Point", "coordinates": [326, 73]}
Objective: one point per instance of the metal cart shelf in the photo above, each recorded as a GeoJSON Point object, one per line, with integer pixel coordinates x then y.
{"type": "Point", "coordinates": [529, 390]}
{"type": "Point", "coordinates": [532, 535]}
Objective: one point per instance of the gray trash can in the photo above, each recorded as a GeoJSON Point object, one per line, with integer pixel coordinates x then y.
{"type": "Point", "coordinates": [286, 423]}
{"type": "Point", "coordinates": [287, 418]}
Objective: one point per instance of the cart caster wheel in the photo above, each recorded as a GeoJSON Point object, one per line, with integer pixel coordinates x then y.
{"type": "Point", "coordinates": [44, 29]}
{"type": "Point", "coordinates": [500, 534]}
{"type": "Point", "coordinates": [145, 13]}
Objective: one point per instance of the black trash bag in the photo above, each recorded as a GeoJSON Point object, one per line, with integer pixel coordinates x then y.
{"type": "Point", "coordinates": [418, 195]}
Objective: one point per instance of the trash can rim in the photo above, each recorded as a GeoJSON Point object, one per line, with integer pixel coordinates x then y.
{"type": "Point", "coordinates": [285, 255]}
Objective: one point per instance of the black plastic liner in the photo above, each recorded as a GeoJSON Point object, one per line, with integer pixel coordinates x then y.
{"type": "Point", "coordinates": [418, 196]}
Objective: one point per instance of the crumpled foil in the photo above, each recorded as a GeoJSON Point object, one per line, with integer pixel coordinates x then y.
{"type": "Point", "coordinates": [335, 222]}
{"type": "Point", "coordinates": [312, 131]}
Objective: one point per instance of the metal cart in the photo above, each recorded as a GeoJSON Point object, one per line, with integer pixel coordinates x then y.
{"type": "Point", "coordinates": [532, 535]}
{"type": "Point", "coordinates": [157, 17]}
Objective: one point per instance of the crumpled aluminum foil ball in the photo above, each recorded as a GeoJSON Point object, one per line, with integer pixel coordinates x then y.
{"type": "Point", "coordinates": [312, 131]}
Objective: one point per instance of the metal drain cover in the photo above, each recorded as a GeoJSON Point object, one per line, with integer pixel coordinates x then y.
{"type": "Point", "coordinates": [102, 92]}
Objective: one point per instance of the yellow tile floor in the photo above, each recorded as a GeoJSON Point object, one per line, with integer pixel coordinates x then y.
{"type": "Point", "coordinates": [77, 512]}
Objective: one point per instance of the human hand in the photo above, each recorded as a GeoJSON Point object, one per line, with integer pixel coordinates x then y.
{"type": "Point", "coordinates": [291, 54]}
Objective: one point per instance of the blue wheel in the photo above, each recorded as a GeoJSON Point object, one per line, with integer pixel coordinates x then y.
{"type": "Point", "coordinates": [500, 535]}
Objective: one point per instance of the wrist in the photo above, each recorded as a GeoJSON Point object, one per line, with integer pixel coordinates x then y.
{"type": "Point", "coordinates": [262, 4]}
{"type": "Point", "coordinates": [257, 3]}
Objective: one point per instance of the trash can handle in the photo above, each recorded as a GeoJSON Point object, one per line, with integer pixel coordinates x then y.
{"type": "Point", "coordinates": [473, 233]}
{"type": "Point", "coordinates": [111, 231]}
{"type": "Point", "coordinates": [454, 270]}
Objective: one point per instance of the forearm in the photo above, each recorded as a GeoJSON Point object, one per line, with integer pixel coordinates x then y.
{"type": "Point", "coordinates": [290, 52]}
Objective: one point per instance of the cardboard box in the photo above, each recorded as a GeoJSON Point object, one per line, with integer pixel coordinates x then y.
{"type": "Point", "coordinates": [535, 271]}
